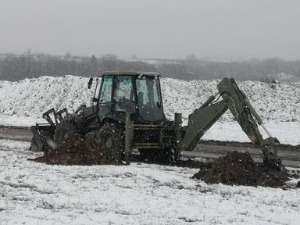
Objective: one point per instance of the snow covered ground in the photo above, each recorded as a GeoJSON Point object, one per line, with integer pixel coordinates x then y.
{"type": "Point", "coordinates": [34, 193]}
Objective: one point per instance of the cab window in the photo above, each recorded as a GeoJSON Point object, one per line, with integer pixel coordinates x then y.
{"type": "Point", "coordinates": [124, 95]}
{"type": "Point", "coordinates": [106, 90]}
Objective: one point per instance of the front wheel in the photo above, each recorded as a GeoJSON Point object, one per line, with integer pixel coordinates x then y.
{"type": "Point", "coordinates": [110, 137]}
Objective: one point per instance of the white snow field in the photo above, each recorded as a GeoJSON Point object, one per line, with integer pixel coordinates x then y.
{"type": "Point", "coordinates": [35, 193]}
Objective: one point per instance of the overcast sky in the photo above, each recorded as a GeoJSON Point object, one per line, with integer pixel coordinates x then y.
{"type": "Point", "coordinates": [228, 29]}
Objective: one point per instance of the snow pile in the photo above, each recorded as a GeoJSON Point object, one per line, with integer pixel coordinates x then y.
{"type": "Point", "coordinates": [32, 97]}
{"type": "Point", "coordinates": [273, 102]}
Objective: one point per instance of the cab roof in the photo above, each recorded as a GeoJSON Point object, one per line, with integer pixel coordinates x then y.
{"type": "Point", "coordinates": [129, 73]}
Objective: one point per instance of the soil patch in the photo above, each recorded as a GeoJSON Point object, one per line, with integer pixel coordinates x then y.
{"type": "Point", "coordinates": [240, 169]}
{"type": "Point", "coordinates": [233, 169]}
{"type": "Point", "coordinates": [77, 151]}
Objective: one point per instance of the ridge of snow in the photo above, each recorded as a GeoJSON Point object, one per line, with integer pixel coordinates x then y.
{"type": "Point", "coordinates": [32, 97]}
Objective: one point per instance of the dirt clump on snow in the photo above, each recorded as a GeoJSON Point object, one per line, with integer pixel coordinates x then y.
{"type": "Point", "coordinates": [77, 151]}
{"type": "Point", "coordinates": [237, 168]}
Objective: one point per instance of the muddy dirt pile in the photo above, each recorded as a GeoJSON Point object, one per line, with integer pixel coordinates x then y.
{"type": "Point", "coordinates": [239, 169]}
{"type": "Point", "coordinates": [77, 151]}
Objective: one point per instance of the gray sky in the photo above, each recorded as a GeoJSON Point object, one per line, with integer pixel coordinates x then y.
{"type": "Point", "coordinates": [228, 29]}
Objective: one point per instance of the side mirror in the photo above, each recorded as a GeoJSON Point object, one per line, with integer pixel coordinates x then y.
{"type": "Point", "coordinates": [90, 83]}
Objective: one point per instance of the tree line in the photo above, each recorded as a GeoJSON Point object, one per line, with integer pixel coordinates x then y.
{"type": "Point", "coordinates": [15, 67]}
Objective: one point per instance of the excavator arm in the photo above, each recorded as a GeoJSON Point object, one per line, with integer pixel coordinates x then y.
{"type": "Point", "coordinates": [238, 104]}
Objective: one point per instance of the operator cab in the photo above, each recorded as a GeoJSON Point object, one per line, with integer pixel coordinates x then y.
{"type": "Point", "coordinates": [138, 93]}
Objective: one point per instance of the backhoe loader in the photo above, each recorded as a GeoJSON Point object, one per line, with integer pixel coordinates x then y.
{"type": "Point", "coordinates": [127, 113]}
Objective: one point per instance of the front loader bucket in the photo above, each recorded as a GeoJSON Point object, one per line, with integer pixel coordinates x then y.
{"type": "Point", "coordinates": [42, 137]}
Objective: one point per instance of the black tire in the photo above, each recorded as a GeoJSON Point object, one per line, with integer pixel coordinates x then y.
{"type": "Point", "coordinates": [65, 130]}
{"type": "Point", "coordinates": [111, 139]}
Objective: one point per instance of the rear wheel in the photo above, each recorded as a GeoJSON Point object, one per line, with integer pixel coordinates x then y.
{"type": "Point", "coordinates": [111, 139]}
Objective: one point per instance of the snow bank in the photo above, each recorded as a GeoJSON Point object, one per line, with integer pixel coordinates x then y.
{"type": "Point", "coordinates": [32, 97]}
{"type": "Point", "coordinates": [273, 102]}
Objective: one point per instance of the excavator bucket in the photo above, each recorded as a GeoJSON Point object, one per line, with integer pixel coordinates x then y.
{"type": "Point", "coordinates": [42, 137]}
{"type": "Point", "coordinates": [43, 133]}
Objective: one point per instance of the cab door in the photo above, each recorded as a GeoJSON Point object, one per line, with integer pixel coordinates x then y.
{"type": "Point", "coordinates": [105, 97]}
